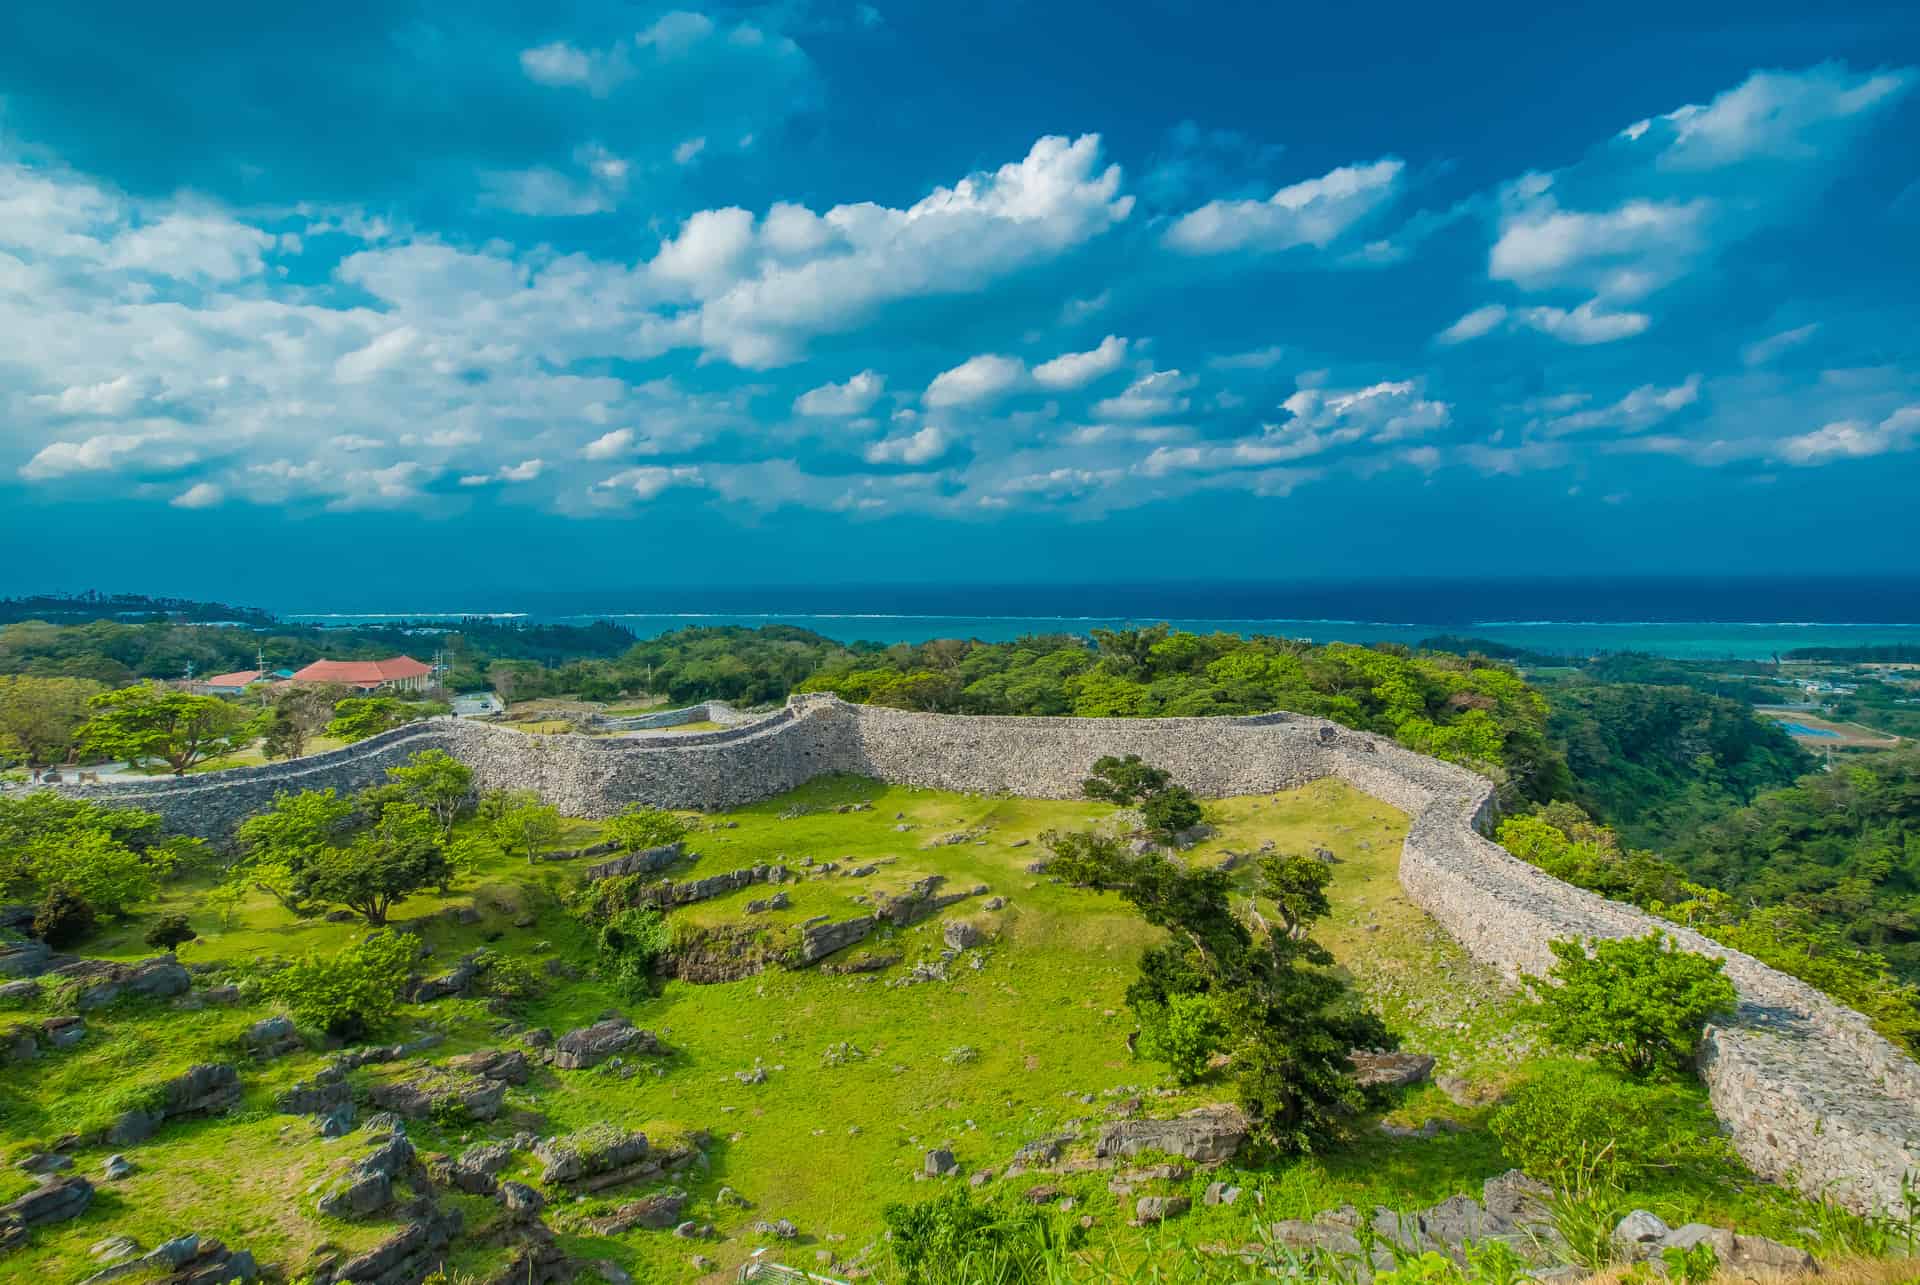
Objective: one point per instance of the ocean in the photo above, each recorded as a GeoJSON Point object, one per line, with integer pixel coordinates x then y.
{"type": "Point", "coordinates": [1751, 619]}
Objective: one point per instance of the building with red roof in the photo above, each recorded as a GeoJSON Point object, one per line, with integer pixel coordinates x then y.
{"type": "Point", "coordinates": [399, 674]}
{"type": "Point", "coordinates": [228, 684]}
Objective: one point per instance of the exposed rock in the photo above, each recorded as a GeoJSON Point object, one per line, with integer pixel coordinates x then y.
{"type": "Point", "coordinates": [817, 941]}
{"type": "Point", "coordinates": [1207, 1134]}
{"type": "Point", "coordinates": [778, 901]}
{"type": "Point", "coordinates": [506, 1065]}
{"type": "Point", "coordinates": [779, 1229]}
{"type": "Point", "coordinates": [405, 1258]}
{"type": "Point", "coordinates": [644, 862]}
{"type": "Point", "coordinates": [1219, 1193]}
{"type": "Point", "coordinates": [116, 1167]}
{"type": "Point", "coordinates": [357, 1058]}
{"type": "Point", "coordinates": [917, 902]}
{"type": "Point", "coordinates": [161, 977]}
{"type": "Point", "coordinates": [64, 1032]}
{"type": "Point", "coordinates": [1153, 1209]}
{"type": "Point", "coordinates": [994, 903]}
{"type": "Point", "coordinates": [591, 1045]}
{"type": "Point", "coordinates": [656, 1212]}
{"type": "Point", "coordinates": [939, 1163]}
{"type": "Point", "coordinates": [272, 1037]}
{"type": "Point", "coordinates": [326, 1092]}
{"type": "Point", "coordinates": [55, 1202]}
{"type": "Point", "coordinates": [207, 1089]}
{"type": "Point", "coordinates": [438, 1091]}
{"type": "Point", "coordinates": [458, 981]}
{"type": "Point", "coordinates": [367, 1186]}
{"type": "Point", "coordinates": [865, 962]}
{"type": "Point", "coordinates": [589, 1153]}
{"type": "Point", "coordinates": [1638, 1230]}
{"type": "Point", "coordinates": [959, 934]}
{"type": "Point", "coordinates": [25, 958]}
{"type": "Point", "coordinates": [520, 1200]}
{"type": "Point", "coordinates": [1744, 1255]}
{"type": "Point", "coordinates": [1379, 1070]}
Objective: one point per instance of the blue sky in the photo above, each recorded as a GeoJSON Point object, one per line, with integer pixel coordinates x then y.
{"type": "Point", "coordinates": [587, 295]}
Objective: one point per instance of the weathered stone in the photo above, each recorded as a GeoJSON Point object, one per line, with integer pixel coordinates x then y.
{"type": "Point", "coordinates": [959, 934]}
{"type": "Point", "coordinates": [646, 861]}
{"type": "Point", "coordinates": [656, 1212]}
{"type": "Point", "coordinates": [593, 1151]}
{"type": "Point", "coordinates": [939, 1163]}
{"type": "Point", "coordinates": [778, 901]}
{"type": "Point", "coordinates": [102, 983]}
{"type": "Point", "coordinates": [1153, 1209]}
{"type": "Point", "coordinates": [520, 1200]}
{"type": "Point", "coordinates": [778, 1228]}
{"type": "Point", "coordinates": [506, 1065]}
{"type": "Point", "coordinates": [1740, 1254]}
{"type": "Point", "coordinates": [1640, 1230]}
{"type": "Point", "coordinates": [1207, 1134]}
{"type": "Point", "coordinates": [115, 1167]}
{"type": "Point", "coordinates": [457, 981]}
{"type": "Point", "coordinates": [405, 1258]}
{"type": "Point", "coordinates": [64, 1032]}
{"type": "Point", "coordinates": [817, 941]}
{"type": "Point", "coordinates": [438, 1091]}
{"type": "Point", "coordinates": [1377, 1070]}
{"type": "Point", "coordinates": [591, 1045]}
{"type": "Point", "coordinates": [1219, 1193]}
{"type": "Point", "coordinates": [54, 1202]}
{"type": "Point", "coordinates": [272, 1037]}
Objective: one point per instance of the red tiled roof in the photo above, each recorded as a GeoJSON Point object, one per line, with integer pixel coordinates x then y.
{"type": "Point", "coordinates": [238, 678]}
{"type": "Point", "coordinates": [362, 673]}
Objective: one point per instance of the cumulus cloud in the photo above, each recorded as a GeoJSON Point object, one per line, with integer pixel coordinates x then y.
{"type": "Point", "coordinates": [1854, 439]}
{"type": "Point", "coordinates": [1772, 115]}
{"type": "Point", "coordinates": [1642, 409]}
{"type": "Point", "coordinates": [567, 66]}
{"type": "Point", "coordinates": [1312, 212]}
{"type": "Point", "coordinates": [855, 397]}
{"type": "Point", "coordinates": [976, 380]}
{"type": "Point", "coordinates": [648, 481]}
{"type": "Point", "coordinates": [99, 454]}
{"type": "Point", "coordinates": [923, 447]}
{"type": "Point", "coordinates": [1077, 369]}
{"type": "Point", "coordinates": [608, 446]}
{"type": "Point", "coordinates": [1153, 395]}
{"type": "Point", "coordinates": [201, 495]}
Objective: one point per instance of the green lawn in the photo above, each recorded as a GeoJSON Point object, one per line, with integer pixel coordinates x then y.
{"type": "Point", "coordinates": [825, 1145]}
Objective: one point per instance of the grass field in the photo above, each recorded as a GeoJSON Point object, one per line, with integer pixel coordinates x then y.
{"type": "Point", "coordinates": [1024, 1046]}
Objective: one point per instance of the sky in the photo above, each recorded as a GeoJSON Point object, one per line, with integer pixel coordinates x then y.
{"type": "Point", "coordinates": [588, 295]}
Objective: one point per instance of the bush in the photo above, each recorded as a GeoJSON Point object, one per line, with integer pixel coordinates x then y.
{"type": "Point", "coordinates": [511, 978]}
{"type": "Point", "coordinates": [951, 1239]}
{"type": "Point", "coordinates": [1635, 1003]}
{"type": "Point", "coordinates": [641, 827]}
{"type": "Point", "coordinates": [351, 994]}
{"type": "Point", "coordinates": [629, 944]}
{"type": "Point", "coordinates": [169, 932]}
{"type": "Point", "coordinates": [63, 917]}
{"type": "Point", "coordinates": [1185, 1033]}
{"type": "Point", "coordinates": [1581, 1127]}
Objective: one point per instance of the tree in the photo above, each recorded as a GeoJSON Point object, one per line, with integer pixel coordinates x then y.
{"type": "Point", "coordinates": [436, 781]}
{"type": "Point", "coordinates": [358, 717]}
{"type": "Point", "coordinates": [354, 992]}
{"type": "Point", "coordinates": [1297, 886]}
{"type": "Point", "coordinates": [520, 823]}
{"type": "Point", "coordinates": [1266, 999]}
{"type": "Point", "coordinates": [152, 722]}
{"type": "Point", "coordinates": [39, 716]}
{"type": "Point", "coordinates": [96, 866]}
{"type": "Point", "coordinates": [641, 827]}
{"type": "Point", "coordinates": [170, 932]}
{"type": "Point", "coordinates": [1167, 809]}
{"type": "Point", "coordinates": [402, 853]}
{"type": "Point", "coordinates": [281, 842]}
{"type": "Point", "coordinates": [300, 713]}
{"type": "Point", "coordinates": [1636, 1003]}
{"type": "Point", "coordinates": [63, 917]}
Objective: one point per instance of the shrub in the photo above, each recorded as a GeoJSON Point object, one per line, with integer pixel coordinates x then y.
{"type": "Point", "coordinates": [629, 944]}
{"type": "Point", "coordinates": [951, 1238]}
{"type": "Point", "coordinates": [641, 827]}
{"type": "Point", "coordinates": [1581, 1127]}
{"type": "Point", "coordinates": [169, 932]}
{"type": "Point", "coordinates": [63, 917]}
{"type": "Point", "coordinates": [510, 977]}
{"type": "Point", "coordinates": [1636, 1003]}
{"type": "Point", "coordinates": [1185, 1033]}
{"type": "Point", "coordinates": [354, 992]}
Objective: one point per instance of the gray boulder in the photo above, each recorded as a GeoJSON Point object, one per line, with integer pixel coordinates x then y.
{"type": "Point", "coordinates": [959, 934]}
{"type": "Point", "coordinates": [1209, 1135]}
{"type": "Point", "coordinates": [1743, 1255]}
{"type": "Point", "coordinates": [1154, 1209]}
{"type": "Point", "coordinates": [939, 1163]}
{"type": "Point", "coordinates": [1376, 1070]}
{"type": "Point", "coordinates": [591, 1045]}
{"type": "Point", "coordinates": [116, 1167]}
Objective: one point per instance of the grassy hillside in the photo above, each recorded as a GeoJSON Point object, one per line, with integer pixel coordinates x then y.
{"type": "Point", "coordinates": [863, 1074]}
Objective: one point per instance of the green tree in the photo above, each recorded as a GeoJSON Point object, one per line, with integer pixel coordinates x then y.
{"type": "Point", "coordinates": [281, 842]}
{"type": "Point", "coordinates": [641, 827]}
{"type": "Point", "coordinates": [436, 781]}
{"type": "Point", "coordinates": [353, 993]}
{"type": "Point", "coordinates": [63, 917]}
{"type": "Point", "coordinates": [358, 717]}
{"type": "Point", "coordinates": [1125, 781]}
{"type": "Point", "coordinates": [39, 716]}
{"type": "Point", "coordinates": [1284, 1019]}
{"type": "Point", "coordinates": [520, 823]}
{"type": "Point", "coordinates": [152, 722]}
{"type": "Point", "coordinates": [92, 863]}
{"type": "Point", "coordinates": [170, 932]}
{"type": "Point", "coordinates": [400, 854]}
{"type": "Point", "coordinates": [1297, 887]}
{"type": "Point", "coordinates": [1635, 1003]}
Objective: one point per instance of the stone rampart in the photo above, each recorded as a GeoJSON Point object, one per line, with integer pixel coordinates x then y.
{"type": "Point", "coordinates": [1810, 1094]}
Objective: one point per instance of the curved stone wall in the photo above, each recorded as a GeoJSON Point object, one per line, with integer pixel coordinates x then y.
{"type": "Point", "coordinates": [1809, 1093]}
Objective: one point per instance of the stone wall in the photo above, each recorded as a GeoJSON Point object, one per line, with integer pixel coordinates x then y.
{"type": "Point", "coordinates": [1809, 1093]}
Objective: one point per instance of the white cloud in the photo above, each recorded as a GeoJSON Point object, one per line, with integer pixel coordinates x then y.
{"type": "Point", "coordinates": [608, 446]}
{"type": "Point", "coordinates": [596, 186]}
{"type": "Point", "coordinates": [923, 447]}
{"type": "Point", "coordinates": [99, 454]}
{"type": "Point", "coordinates": [383, 353]}
{"type": "Point", "coordinates": [650, 480]}
{"type": "Point", "coordinates": [1078, 369]}
{"type": "Point", "coordinates": [109, 398]}
{"type": "Point", "coordinates": [975, 380]}
{"type": "Point", "coordinates": [1586, 324]}
{"type": "Point", "coordinates": [1640, 410]}
{"type": "Point", "coordinates": [685, 152]}
{"type": "Point", "coordinates": [524, 471]}
{"type": "Point", "coordinates": [192, 244]}
{"type": "Point", "coordinates": [855, 397]}
{"type": "Point", "coordinates": [1854, 439]}
{"type": "Point", "coordinates": [1773, 347]}
{"type": "Point", "coordinates": [763, 292]}
{"type": "Point", "coordinates": [1153, 395]}
{"type": "Point", "coordinates": [381, 488]}
{"type": "Point", "coordinates": [352, 442]}
{"type": "Point", "coordinates": [1774, 115]}
{"type": "Point", "coordinates": [1625, 252]}
{"type": "Point", "coordinates": [566, 66]}
{"type": "Point", "coordinates": [1474, 324]}
{"type": "Point", "coordinates": [675, 33]}
{"type": "Point", "coordinates": [1312, 212]}
{"type": "Point", "coordinates": [201, 495]}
